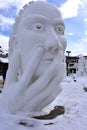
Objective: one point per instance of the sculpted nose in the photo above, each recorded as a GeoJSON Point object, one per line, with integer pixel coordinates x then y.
{"type": "Point", "coordinates": [52, 44]}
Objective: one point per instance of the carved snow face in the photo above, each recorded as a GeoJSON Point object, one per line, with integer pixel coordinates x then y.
{"type": "Point", "coordinates": [41, 25]}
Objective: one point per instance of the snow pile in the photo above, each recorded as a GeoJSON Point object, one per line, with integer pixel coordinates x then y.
{"type": "Point", "coordinates": [4, 60]}
{"type": "Point", "coordinates": [73, 98]}
{"type": "Point", "coordinates": [82, 66]}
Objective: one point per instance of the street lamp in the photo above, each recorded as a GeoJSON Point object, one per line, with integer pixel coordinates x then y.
{"type": "Point", "coordinates": [68, 52]}
{"type": "Point", "coordinates": [67, 62]}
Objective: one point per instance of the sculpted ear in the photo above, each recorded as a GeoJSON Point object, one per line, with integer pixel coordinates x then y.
{"type": "Point", "coordinates": [12, 44]}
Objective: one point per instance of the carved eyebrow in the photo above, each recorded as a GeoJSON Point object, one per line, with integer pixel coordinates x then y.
{"type": "Point", "coordinates": [38, 17]}
{"type": "Point", "coordinates": [59, 21]}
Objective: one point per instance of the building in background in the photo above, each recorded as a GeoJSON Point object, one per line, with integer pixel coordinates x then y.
{"type": "Point", "coordinates": [72, 64]}
{"type": "Point", "coordinates": [3, 63]}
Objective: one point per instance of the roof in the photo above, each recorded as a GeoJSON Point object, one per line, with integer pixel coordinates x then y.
{"type": "Point", "coordinates": [4, 60]}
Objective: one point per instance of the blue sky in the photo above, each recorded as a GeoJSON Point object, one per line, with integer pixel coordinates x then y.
{"type": "Point", "coordinates": [74, 13]}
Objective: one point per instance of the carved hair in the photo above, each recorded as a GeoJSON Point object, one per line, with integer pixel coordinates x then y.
{"type": "Point", "coordinates": [12, 40]}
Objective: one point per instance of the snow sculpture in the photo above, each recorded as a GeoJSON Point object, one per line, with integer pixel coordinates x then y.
{"type": "Point", "coordinates": [82, 66]}
{"type": "Point", "coordinates": [36, 59]}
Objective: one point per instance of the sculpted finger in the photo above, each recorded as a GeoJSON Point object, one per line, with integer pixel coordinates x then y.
{"type": "Point", "coordinates": [40, 84]}
{"type": "Point", "coordinates": [12, 73]}
{"type": "Point", "coordinates": [46, 96]}
{"type": "Point", "coordinates": [31, 67]}
{"type": "Point", "coordinates": [47, 76]}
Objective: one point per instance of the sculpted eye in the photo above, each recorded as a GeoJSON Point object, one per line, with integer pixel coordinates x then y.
{"type": "Point", "coordinates": [60, 29]}
{"type": "Point", "coordinates": [38, 27]}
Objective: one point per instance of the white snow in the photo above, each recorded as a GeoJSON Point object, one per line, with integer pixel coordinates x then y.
{"type": "Point", "coordinates": [73, 98]}
{"type": "Point", "coordinates": [4, 60]}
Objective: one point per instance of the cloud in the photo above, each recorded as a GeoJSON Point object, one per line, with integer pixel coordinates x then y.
{"type": "Point", "coordinates": [4, 4]}
{"type": "Point", "coordinates": [78, 48]}
{"type": "Point", "coordinates": [70, 34]}
{"type": "Point", "coordinates": [85, 20]}
{"type": "Point", "coordinates": [70, 8]}
{"type": "Point", "coordinates": [18, 3]}
{"type": "Point", "coordinates": [4, 42]}
{"type": "Point", "coordinates": [7, 3]}
{"type": "Point", "coordinates": [5, 22]}
{"type": "Point", "coordinates": [86, 32]}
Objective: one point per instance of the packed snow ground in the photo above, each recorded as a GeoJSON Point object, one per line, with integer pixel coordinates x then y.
{"type": "Point", "coordinates": [73, 97]}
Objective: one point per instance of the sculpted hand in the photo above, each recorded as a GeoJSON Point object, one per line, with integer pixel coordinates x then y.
{"type": "Point", "coordinates": [14, 88]}
{"type": "Point", "coordinates": [27, 96]}
{"type": "Point", "coordinates": [45, 89]}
